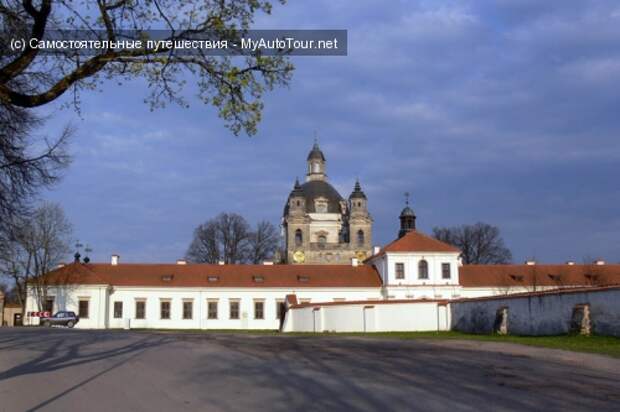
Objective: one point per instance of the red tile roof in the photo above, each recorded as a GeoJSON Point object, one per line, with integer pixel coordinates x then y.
{"type": "Point", "coordinates": [204, 275]}
{"type": "Point", "coordinates": [538, 275]}
{"type": "Point", "coordinates": [415, 241]}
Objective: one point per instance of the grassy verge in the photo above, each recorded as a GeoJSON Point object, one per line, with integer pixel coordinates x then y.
{"type": "Point", "coordinates": [605, 345]}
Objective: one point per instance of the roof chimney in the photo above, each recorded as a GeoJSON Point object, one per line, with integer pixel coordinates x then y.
{"type": "Point", "coordinates": [181, 262]}
{"type": "Point", "coordinates": [353, 262]}
{"type": "Point", "coordinates": [376, 250]}
{"type": "Point", "coordinates": [599, 262]}
{"type": "Point", "coordinates": [268, 262]}
{"type": "Point", "coordinates": [530, 262]}
{"type": "Point", "coordinates": [570, 262]}
{"type": "Point", "coordinates": [220, 262]}
{"type": "Point", "coordinates": [114, 260]}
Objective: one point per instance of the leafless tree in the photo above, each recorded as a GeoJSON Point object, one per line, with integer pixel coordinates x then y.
{"type": "Point", "coordinates": [263, 242]}
{"type": "Point", "coordinates": [480, 243]}
{"type": "Point", "coordinates": [234, 86]}
{"type": "Point", "coordinates": [27, 164]}
{"type": "Point", "coordinates": [37, 246]}
{"type": "Point", "coordinates": [229, 238]}
{"type": "Point", "coordinates": [225, 237]}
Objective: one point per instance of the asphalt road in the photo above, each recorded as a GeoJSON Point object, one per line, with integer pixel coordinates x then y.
{"type": "Point", "coordinates": [65, 370]}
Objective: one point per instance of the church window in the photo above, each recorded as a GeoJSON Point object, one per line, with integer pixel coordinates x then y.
{"type": "Point", "coordinates": [423, 269]}
{"type": "Point", "coordinates": [298, 237]}
{"type": "Point", "coordinates": [320, 206]}
{"type": "Point", "coordinates": [360, 237]}
{"type": "Point", "coordinates": [316, 168]}
{"type": "Point", "coordinates": [445, 271]}
{"type": "Point", "coordinates": [298, 203]}
{"type": "Point", "coordinates": [400, 270]}
{"type": "Point", "coordinates": [322, 240]}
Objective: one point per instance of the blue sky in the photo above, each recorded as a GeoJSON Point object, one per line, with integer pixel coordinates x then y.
{"type": "Point", "coordinates": [498, 111]}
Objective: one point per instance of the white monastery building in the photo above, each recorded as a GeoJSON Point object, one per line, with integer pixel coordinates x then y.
{"type": "Point", "coordinates": [332, 281]}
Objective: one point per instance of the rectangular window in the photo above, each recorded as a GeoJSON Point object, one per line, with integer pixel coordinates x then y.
{"type": "Point", "coordinates": [118, 310]}
{"type": "Point", "coordinates": [445, 271]}
{"type": "Point", "coordinates": [83, 308]}
{"type": "Point", "coordinates": [164, 309]}
{"type": "Point", "coordinates": [212, 309]}
{"type": "Point", "coordinates": [234, 310]}
{"type": "Point", "coordinates": [280, 309]}
{"type": "Point", "coordinates": [400, 270]}
{"type": "Point", "coordinates": [188, 309]}
{"type": "Point", "coordinates": [49, 304]}
{"type": "Point", "coordinates": [140, 309]}
{"type": "Point", "coordinates": [259, 307]}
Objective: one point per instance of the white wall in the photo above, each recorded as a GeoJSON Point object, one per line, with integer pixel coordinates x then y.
{"type": "Point", "coordinates": [102, 300]}
{"type": "Point", "coordinates": [370, 317]}
{"type": "Point", "coordinates": [548, 314]}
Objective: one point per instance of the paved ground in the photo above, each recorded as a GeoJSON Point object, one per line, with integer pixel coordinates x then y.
{"type": "Point", "coordinates": [64, 370]}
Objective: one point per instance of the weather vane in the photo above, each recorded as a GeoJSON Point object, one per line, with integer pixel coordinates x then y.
{"type": "Point", "coordinates": [316, 137]}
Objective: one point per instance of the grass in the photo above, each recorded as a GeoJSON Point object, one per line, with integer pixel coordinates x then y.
{"type": "Point", "coordinates": [604, 345]}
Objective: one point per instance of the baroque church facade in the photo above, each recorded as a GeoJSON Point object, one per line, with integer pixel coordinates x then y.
{"type": "Point", "coordinates": [319, 225]}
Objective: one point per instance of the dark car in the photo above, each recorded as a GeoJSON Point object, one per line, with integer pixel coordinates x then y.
{"type": "Point", "coordinates": [63, 318]}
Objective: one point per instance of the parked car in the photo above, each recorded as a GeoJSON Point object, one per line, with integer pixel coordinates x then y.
{"type": "Point", "coordinates": [63, 318]}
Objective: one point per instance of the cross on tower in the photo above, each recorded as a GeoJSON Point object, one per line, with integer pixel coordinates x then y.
{"type": "Point", "coordinates": [407, 198]}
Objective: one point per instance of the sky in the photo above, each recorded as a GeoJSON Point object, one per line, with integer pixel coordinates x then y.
{"type": "Point", "coordinates": [504, 111]}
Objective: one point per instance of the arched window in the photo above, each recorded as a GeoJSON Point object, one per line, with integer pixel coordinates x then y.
{"type": "Point", "coordinates": [298, 237]}
{"type": "Point", "coordinates": [423, 269]}
{"type": "Point", "coordinates": [360, 237]}
{"type": "Point", "coordinates": [322, 241]}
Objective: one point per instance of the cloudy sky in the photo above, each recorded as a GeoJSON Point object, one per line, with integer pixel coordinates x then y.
{"type": "Point", "coordinates": [503, 111]}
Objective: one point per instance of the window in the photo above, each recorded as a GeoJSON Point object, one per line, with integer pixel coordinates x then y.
{"type": "Point", "coordinates": [258, 279]}
{"type": "Point", "coordinates": [49, 304]}
{"type": "Point", "coordinates": [322, 241]}
{"type": "Point", "coordinates": [423, 269]}
{"type": "Point", "coordinates": [83, 308]}
{"type": "Point", "coordinates": [445, 271]}
{"type": "Point", "coordinates": [259, 307]}
{"type": "Point", "coordinates": [164, 309]}
{"type": "Point", "coordinates": [400, 271]}
{"type": "Point", "coordinates": [213, 278]}
{"type": "Point", "coordinates": [280, 309]}
{"type": "Point", "coordinates": [360, 237]}
{"type": "Point", "coordinates": [234, 310]}
{"type": "Point", "coordinates": [140, 309]}
{"type": "Point", "coordinates": [188, 309]}
{"type": "Point", "coordinates": [299, 239]}
{"type": "Point", "coordinates": [212, 310]}
{"type": "Point", "coordinates": [118, 310]}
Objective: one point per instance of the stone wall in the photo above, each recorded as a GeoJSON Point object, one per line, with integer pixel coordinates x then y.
{"type": "Point", "coordinates": [595, 310]}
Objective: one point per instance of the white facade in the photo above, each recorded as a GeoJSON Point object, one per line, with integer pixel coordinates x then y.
{"type": "Point", "coordinates": [103, 301]}
{"type": "Point", "coordinates": [377, 316]}
{"type": "Point", "coordinates": [401, 277]}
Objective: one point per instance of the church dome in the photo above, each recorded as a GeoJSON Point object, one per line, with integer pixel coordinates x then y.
{"type": "Point", "coordinates": [315, 189]}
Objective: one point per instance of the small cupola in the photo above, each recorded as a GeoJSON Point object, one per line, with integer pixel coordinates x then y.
{"type": "Point", "coordinates": [407, 219]}
{"type": "Point", "coordinates": [357, 191]}
{"type": "Point", "coordinates": [316, 163]}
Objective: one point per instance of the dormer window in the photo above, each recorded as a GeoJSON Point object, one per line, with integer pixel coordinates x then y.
{"type": "Point", "coordinates": [167, 278]}
{"type": "Point", "coordinates": [320, 205]}
{"type": "Point", "coordinates": [213, 278]}
{"type": "Point", "coordinates": [518, 278]}
{"type": "Point", "coordinates": [258, 278]}
{"type": "Point", "coordinates": [303, 278]}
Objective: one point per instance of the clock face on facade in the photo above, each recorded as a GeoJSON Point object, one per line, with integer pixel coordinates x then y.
{"type": "Point", "coordinates": [299, 257]}
{"type": "Point", "coordinates": [360, 254]}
